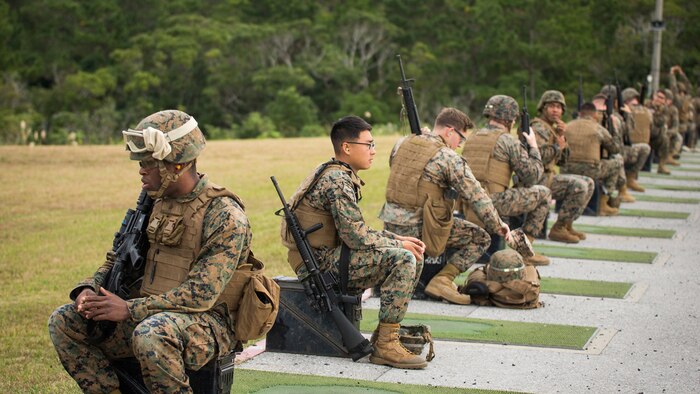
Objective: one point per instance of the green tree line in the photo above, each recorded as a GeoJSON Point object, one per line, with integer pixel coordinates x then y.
{"type": "Point", "coordinates": [248, 69]}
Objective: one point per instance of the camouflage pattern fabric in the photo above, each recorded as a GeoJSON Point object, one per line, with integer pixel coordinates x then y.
{"type": "Point", "coordinates": [659, 141]}
{"type": "Point", "coordinates": [467, 239]}
{"type": "Point", "coordinates": [526, 198]}
{"type": "Point", "coordinates": [574, 192]}
{"type": "Point", "coordinates": [501, 107]}
{"type": "Point", "coordinates": [446, 169]}
{"type": "Point", "coordinates": [635, 156]}
{"type": "Point", "coordinates": [607, 171]}
{"type": "Point", "coordinates": [505, 265]}
{"type": "Point", "coordinates": [675, 139]}
{"type": "Point", "coordinates": [184, 149]}
{"type": "Point", "coordinates": [377, 258]}
{"type": "Point", "coordinates": [163, 320]}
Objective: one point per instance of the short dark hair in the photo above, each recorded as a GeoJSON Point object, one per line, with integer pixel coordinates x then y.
{"type": "Point", "coordinates": [454, 118]}
{"type": "Point", "coordinates": [347, 129]}
{"type": "Point", "coordinates": [588, 108]}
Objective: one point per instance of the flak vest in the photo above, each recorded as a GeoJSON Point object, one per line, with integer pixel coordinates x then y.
{"type": "Point", "coordinates": [641, 133]}
{"type": "Point", "coordinates": [406, 189]}
{"type": "Point", "coordinates": [308, 215]}
{"type": "Point", "coordinates": [175, 236]}
{"type": "Point", "coordinates": [583, 141]}
{"type": "Point", "coordinates": [549, 170]}
{"type": "Point", "coordinates": [685, 115]}
{"type": "Point", "coordinates": [494, 175]}
{"type": "Point", "coordinates": [518, 293]}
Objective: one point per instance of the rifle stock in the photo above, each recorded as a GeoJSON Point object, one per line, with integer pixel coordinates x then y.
{"type": "Point", "coordinates": [322, 288]}
{"type": "Point", "coordinates": [524, 121]}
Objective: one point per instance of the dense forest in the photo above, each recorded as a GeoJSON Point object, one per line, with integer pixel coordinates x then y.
{"type": "Point", "coordinates": [249, 69]}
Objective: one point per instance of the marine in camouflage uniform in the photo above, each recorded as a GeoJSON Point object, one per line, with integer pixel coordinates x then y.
{"type": "Point", "coordinates": [607, 171]}
{"type": "Point", "coordinates": [675, 139]}
{"type": "Point", "coordinates": [685, 104]}
{"type": "Point", "coordinates": [692, 143]}
{"type": "Point", "coordinates": [659, 141]}
{"type": "Point", "coordinates": [330, 195]}
{"type": "Point", "coordinates": [601, 101]}
{"type": "Point", "coordinates": [510, 157]}
{"type": "Point", "coordinates": [447, 171]}
{"type": "Point", "coordinates": [573, 191]}
{"type": "Point", "coordinates": [175, 329]}
{"type": "Point", "coordinates": [634, 153]}
{"type": "Point", "coordinates": [639, 135]}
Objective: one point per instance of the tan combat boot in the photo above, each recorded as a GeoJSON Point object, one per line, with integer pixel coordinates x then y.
{"type": "Point", "coordinates": [560, 233]}
{"type": "Point", "coordinates": [626, 197]}
{"type": "Point", "coordinates": [389, 351]}
{"type": "Point", "coordinates": [443, 287]}
{"type": "Point", "coordinates": [604, 209]}
{"type": "Point", "coordinates": [632, 182]}
{"type": "Point", "coordinates": [580, 235]}
{"type": "Point", "coordinates": [662, 167]}
{"type": "Point", "coordinates": [670, 160]}
{"type": "Point", "coordinates": [537, 259]}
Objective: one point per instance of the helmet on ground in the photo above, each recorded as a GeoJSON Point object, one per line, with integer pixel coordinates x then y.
{"type": "Point", "coordinates": [551, 96]}
{"type": "Point", "coordinates": [505, 265]}
{"type": "Point", "coordinates": [629, 94]}
{"type": "Point", "coordinates": [501, 107]}
{"type": "Point", "coordinates": [169, 135]}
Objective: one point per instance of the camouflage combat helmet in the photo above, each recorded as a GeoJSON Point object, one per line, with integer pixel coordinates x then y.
{"type": "Point", "coordinates": [609, 89]}
{"type": "Point", "coordinates": [169, 135]}
{"type": "Point", "coordinates": [668, 93]}
{"type": "Point", "coordinates": [552, 96]}
{"type": "Point", "coordinates": [505, 265]}
{"type": "Point", "coordinates": [629, 93]}
{"type": "Point", "coordinates": [501, 107]}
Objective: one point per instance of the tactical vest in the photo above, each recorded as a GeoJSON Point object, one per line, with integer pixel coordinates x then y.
{"type": "Point", "coordinates": [582, 136]}
{"type": "Point", "coordinates": [494, 175]}
{"type": "Point", "coordinates": [518, 294]}
{"type": "Point", "coordinates": [642, 125]}
{"type": "Point", "coordinates": [308, 216]}
{"type": "Point", "coordinates": [685, 115]}
{"type": "Point", "coordinates": [175, 236]}
{"type": "Point", "coordinates": [406, 188]}
{"type": "Point", "coordinates": [549, 170]}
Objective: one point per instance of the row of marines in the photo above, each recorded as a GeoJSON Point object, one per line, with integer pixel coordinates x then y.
{"type": "Point", "coordinates": [181, 316]}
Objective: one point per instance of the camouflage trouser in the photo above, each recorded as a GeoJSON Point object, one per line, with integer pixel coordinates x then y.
{"type": "Point", "coordinates": [533, 201]}
{"type": "Point", "coordinates": [164, 344]}
{"type": "Point", "coordinates": [607, 171]}
{"type": "Point", "coordinates": [693, 134]}
{"type": "Point", "coordinates": [635, 156]}
{"type": "Point", "coordinates": [621, 177]}
{"type": "Point", "coordinates": [573, 191]}
{"type": "Point", "coordinates": [395, 270]}
{"type": "Point", "coordinates": [467, 239]}
{"type": "Point", "coordinates": [660, 144]}
{"type": "Point", "coordinates": [675, 141]}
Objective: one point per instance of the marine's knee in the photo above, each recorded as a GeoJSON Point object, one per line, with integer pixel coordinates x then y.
{"type": "Point", "coordinates": [151, 334]}
{"type": "Point", "coordinates": [59, 320]}
{"type": "Point", "coordinates": [407, 262]}
{"type": "Point", "coordinates": [543, 192]}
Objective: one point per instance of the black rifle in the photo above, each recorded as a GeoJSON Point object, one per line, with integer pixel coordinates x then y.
{"type": "Point", "coordinates": [524, 121]}
{"type": "Point", "coordinates": [323, 288]}
{"type": "Point", "coordinates": [129, 247]}
{"type": "Point", "coordinates": [620, 104]}
{"type": "Point", "coordinates": [642, 93]}
{"type": "Point", "coordinates": [579, 97]}
{"type": "Point", "coordinates": [409, 105]}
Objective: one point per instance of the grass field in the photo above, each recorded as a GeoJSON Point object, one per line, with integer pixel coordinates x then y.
{"type": "Point", "coordinates": [62, 205]}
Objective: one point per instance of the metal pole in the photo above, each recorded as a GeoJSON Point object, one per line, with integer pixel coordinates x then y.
{"type": "Point", "coordinates": [657, 27]}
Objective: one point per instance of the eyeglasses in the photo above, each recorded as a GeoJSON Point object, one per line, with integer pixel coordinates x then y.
{"type": "Point", "coordinates": [148, 164]}
{"type": "Point", "coordinates": [462, 137]}
{"type": "Point", "coordinates": [370, 145]}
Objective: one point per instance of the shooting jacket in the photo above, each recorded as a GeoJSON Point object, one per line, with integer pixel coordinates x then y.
{"type": "Point", "coordinates": [641, 133]}
{"type": "Point", "coordinates": [583, 141]}
{"type": "Point", "coordinates": [175, 236]}
{"type": "Point", "coordinates": [326, 236]}
{"type": "Point", "coordinates": [406, 188]}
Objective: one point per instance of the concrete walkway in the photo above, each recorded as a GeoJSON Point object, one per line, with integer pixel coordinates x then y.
{"type": "Point", "coordinates": [647, 342]}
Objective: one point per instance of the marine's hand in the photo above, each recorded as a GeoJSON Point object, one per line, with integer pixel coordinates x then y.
{"type": "Point", "coordinates": [530, 138]}
{"type": "Point", "coordinates": [414, 248]}
{"type": "Point", "coordinates": [416, 241]}
{"type": "Point", "coordinates": [504, 231]}
{"type": "Point", "coordinates": [80, 300]}
{"type": "Point", "coordinates": [105, 307]}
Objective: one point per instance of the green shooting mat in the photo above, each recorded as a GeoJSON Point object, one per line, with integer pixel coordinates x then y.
{"type": "Point", "coordinates": [573, 252]}
{"type": "Point", "coordinates": [622, 231]}
{"type": "Point", "coordinates": [493, 331]}
{"type": "Point", "coordinates": [653, 214]}
{"type": "Point", "coordinates": [674, 200]}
